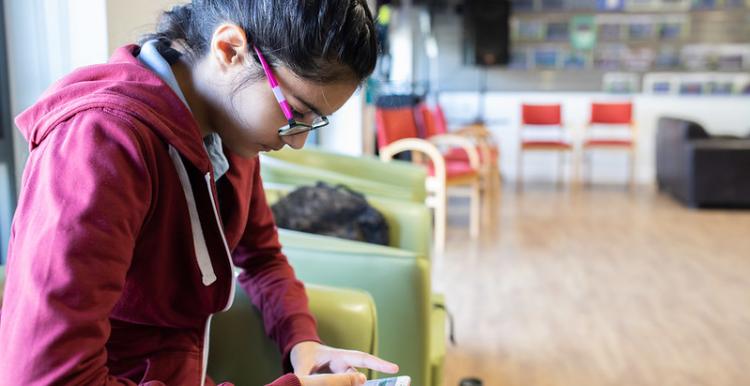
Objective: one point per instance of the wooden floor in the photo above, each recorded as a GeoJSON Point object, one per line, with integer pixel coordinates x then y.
{"type": "Point", "coordinates": [600, 287]}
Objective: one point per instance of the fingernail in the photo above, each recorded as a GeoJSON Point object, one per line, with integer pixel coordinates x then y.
{"type": "Point", "coordinates": [362, 378]}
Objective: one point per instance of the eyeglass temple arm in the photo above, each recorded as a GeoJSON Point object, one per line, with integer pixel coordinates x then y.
{"type": "Point", "coordinates": [285, 107]}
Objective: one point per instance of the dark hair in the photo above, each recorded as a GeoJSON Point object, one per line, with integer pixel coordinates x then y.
{"type": "Point", "coordinates": [318, 40]}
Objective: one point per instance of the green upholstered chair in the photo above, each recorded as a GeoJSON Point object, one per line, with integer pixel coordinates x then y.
{"type": "Point", "coordinates": [409, 222]}
{"type": "Point", "coordinates": [240, 351]}
{"type": "Point", "coordinates": [410, 326]}
{"type": "Point", "coordinates": [369, 175]}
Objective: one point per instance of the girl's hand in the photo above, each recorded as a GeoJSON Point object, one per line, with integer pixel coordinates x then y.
{"type": "Point", "coordinates": [346, 379]}
{"type": "Point", "coordinates": [312, 357]}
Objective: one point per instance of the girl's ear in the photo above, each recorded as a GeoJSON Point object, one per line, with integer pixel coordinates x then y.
{"type": "Point", "coordinates": [228, 46]}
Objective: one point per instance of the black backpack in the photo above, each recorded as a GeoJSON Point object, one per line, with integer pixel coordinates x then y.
{"type": "Point", "coordinates": [332, 211]}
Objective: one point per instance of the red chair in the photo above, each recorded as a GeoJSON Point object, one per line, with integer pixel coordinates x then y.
{"type": "Point", "coordinates": [547, 119]}
{"type": "Point", "coordinates": [397, 132]}
{"type": "Point", "coordinates": [608, 117]}
{"type": "Point", "coordinates": [434, 123]}
{"type": "Point", "coordinates": [394, 124]}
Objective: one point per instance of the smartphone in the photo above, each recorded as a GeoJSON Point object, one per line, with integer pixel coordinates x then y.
{"type": "Point", "coordinates": [396, 381]}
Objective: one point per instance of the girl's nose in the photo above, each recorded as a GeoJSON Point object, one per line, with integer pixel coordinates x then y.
{"type": "Point", "coordinates": [296, 141]}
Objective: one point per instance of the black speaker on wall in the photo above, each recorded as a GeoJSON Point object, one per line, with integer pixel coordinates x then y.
{"type": "Point", "coordinates": [487, 32]}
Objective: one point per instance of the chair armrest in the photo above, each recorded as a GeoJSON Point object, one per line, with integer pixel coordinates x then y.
{"type": "Point", "coordinates": [347, 318]}
{"type": "Point", "coordinates": [680, 129]}
{"type": "Point", "coordinates": [421, 146]}
{"type": "Point", "coordinates": [478, 132]}
{"type": "Point", "coordinates": [241, 353]}
{"type": "Point", "coordinates": [484, 142]}
{"type": "Point", "coordinates": [453, 140]}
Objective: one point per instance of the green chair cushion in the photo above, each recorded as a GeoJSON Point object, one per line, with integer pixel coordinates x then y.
{"type": "Point", "coordinates": [241, 353]}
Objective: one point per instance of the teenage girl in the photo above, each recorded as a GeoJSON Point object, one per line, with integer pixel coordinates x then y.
{"type": "Point", "coordinates": [142, 193]}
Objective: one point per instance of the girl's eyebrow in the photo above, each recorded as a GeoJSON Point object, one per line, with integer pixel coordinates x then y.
{"type": "Point", "coordinates": [309, 105]}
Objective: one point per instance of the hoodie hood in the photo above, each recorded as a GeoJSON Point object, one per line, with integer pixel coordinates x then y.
{"type": "Point", "coordinates": [125, 86]}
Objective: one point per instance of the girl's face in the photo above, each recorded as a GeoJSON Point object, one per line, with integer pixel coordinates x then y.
{"type": "Point", "coordinates": [248, 118]}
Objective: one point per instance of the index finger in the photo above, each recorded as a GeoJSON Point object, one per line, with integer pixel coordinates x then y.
{"type": "Point", "coordinates": [367, 361]}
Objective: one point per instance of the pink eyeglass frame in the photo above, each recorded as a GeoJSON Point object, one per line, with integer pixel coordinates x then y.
{"type": "Point", "coordinates": [293, 126]}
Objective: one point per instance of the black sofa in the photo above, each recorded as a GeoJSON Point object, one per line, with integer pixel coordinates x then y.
{"type": "Point", "coordinates": [702, 170]}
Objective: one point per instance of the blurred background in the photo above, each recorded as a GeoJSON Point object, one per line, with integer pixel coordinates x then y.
{"type": "Point", "coordinates": [585, 165]}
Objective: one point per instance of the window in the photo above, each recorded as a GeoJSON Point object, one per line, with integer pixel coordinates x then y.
{"type": "Point", "coordinates": [7, 179]}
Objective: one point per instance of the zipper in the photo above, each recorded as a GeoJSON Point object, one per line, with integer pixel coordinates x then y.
{"type": "Point", "coordinates": [208, 276]}
{"type": "Point", "coordinates": [206, 341]}
{"type": "Point", "coordinates": [232, 288]}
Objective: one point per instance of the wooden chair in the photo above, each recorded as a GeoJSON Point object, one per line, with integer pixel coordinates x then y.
{"type": "Point", "coordinates": [608, 117]}
{"type": "Point", "coordinates": [434, 123]}
{"type": "Point", "coordinates": [546, 118]}
{"type": "Point", "coordinates": [397, 133]}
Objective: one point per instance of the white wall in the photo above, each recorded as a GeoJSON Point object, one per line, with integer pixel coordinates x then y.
{"type": "Point", "coordinates": [86, 37]}
{"type": "Point", "coordinates": [402, 45]}
{"type": "Point", "coordinates": [718, 114]}
{"type": "Point", "coordinates": [344, 134]}
{"type": "Point", "coordinates": [127, 20]}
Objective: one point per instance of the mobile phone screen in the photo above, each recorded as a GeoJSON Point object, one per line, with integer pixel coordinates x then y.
{"type": "Point", "coordinates": [397, 381]}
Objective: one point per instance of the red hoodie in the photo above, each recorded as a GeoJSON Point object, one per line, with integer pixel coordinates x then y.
{"type": "Point", "coordinates": [122, 245]}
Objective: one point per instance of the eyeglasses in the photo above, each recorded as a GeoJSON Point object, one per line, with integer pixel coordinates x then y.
{"type": "Point", "coordinates": [293, 126]}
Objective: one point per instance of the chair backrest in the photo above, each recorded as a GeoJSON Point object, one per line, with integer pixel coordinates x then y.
{"type": "Point", "coordinates": [369, 175]}
{"type": "Point", "coordinates": [434, 120]}
{"type": "Point", "coordinates": [409, 223]}
{"type": "Point", "coordinates": [620, 113]}
{"type": "Point", "coordinates": [393, 124]}
{"type": "Point", "coordinates": [398, 280]}
{"type": "Point", "coordinates": [541, 115]}
{"type": "Point", "coordinates": [425, 120]}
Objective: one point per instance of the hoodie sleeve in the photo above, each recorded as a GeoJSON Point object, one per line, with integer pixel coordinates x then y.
{"type": "Point", "coordinates": [84, 197]}
{"type": "Point", "coordinates": [286, 380]}
{"type": "Point", "coordinates": [269, 279]}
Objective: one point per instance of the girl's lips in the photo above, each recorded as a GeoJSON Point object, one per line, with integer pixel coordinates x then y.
{"type": "Point", "coordinates": [267, 148]}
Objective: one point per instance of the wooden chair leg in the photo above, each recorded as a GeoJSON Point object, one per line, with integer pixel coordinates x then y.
{"type": "Point", "coordinates": [440, 218]}
{"type": "Point", "coordinates": [475, 209]}
{"type": "Point", "coordinates": [519, 173]}
{"type": "Point", "coordinates": [497, 190]}
{"type": "Point", "coordinates": [487, 193]}
{"type": "Point", "coordinates": [631, 169]}
{"type": "Point", "coordinates": [588, 165]}
{"type": "Point", "coordinates": [582, 169]}
{"type": "Point", "coordinates": [560, 168]}
{"type": "Point", "coordinates": [576, 179]}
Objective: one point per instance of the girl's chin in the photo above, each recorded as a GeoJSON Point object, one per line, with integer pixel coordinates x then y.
{"type": "Point", "coordinates": [251, 150]}
{"type": "Point", "coordinates": [246, 151]}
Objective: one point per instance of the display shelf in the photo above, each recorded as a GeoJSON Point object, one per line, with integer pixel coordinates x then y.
{"type": "Point", "coordinates": [632, 35]}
